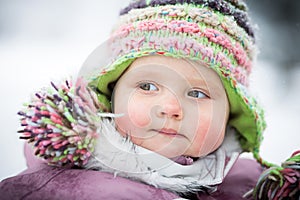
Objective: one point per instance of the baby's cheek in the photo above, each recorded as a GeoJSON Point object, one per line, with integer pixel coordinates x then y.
{"type": "Point", "coordinates": [202, 131]}
{"type": "Point", "coordinates": [139, 113]}
{"type": "Point", "coordinates": [210, 135]}
{"type": "Point", "coordinates": [201, 142]}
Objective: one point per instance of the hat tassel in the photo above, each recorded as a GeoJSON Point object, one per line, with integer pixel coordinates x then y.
{"type": "Point", "coordinates": [280, 182]}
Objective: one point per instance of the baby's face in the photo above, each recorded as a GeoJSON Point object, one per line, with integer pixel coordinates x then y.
{"type": "Point", "coordinates": [172, 106]}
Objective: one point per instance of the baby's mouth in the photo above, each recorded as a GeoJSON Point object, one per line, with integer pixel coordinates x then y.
{"type": "Point", "coordinates": [168, 132]}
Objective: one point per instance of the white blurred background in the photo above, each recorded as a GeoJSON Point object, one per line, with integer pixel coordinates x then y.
{"type": "Point", "coordinates": [42, 41]}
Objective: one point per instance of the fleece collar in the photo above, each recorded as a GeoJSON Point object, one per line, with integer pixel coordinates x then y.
{"type": "Point", "coordinates": [118, 155]}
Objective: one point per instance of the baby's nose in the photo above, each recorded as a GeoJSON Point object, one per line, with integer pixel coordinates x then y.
{"type": "Point", "coordinates": [171, 107]}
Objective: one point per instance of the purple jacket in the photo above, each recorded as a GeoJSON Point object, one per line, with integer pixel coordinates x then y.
{"type": "Point", "coordinates": [40, 181]}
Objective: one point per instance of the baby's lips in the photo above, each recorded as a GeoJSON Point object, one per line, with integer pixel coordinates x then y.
{"type": "Point", "coordinates": [168, 131]}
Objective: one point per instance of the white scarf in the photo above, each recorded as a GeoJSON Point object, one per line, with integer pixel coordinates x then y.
{"type": "Point", "coordinates": [116, 154]}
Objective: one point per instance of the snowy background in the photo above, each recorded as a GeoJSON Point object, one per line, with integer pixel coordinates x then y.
{"type": "Point", "coordinates": [42, 41]}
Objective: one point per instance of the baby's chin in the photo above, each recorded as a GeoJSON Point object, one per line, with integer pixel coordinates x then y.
{"type": "Point", "coordinates": [172, 152]}
{"type": "Point", "coordinates": [166, 150]}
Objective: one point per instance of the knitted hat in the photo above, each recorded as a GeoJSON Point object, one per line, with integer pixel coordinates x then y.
{"type": "Point", "coordinates": [213, 31]}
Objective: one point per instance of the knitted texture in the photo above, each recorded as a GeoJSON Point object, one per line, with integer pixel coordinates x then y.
{"type": "Point", "coordinates": [213, 31]}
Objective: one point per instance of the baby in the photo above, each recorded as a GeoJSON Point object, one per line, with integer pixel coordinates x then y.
{"type": "Point", "coordinates": [176, 77]}
{"type": "Point", "coordinates": [172, 106]}
{"type": "Point", "coordinates": [163, 102]}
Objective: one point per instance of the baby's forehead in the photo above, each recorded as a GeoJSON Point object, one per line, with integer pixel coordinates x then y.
{"type": "Point", "coordinates": [168, 64]}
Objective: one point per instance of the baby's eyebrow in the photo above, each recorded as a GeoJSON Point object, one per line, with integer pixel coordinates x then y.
{"type": "Point", "coordinates": [204, 83]}
{"type": "Point", "coordinates": [197, 80]}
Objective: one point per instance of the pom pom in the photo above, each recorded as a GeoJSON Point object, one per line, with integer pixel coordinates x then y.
{"type": "Point", "coordinates": [280, 182]}
{"type": "Point", "coordinates": [62, 123]}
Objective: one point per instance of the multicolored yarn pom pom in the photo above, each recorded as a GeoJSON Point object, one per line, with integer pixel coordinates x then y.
{"type": "Point", "coordinates": [280, 182]}
{"type": "Point", "coordinates": [62, 124]}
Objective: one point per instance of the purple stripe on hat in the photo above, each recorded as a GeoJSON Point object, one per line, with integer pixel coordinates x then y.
{"type": "Point", "coordinates": [239, 4]}
{"type": "Point", "coordinates": [134, 5]}
{"type": "Point", "coordinates": [220, 6]}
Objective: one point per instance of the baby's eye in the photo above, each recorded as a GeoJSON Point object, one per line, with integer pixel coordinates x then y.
{"type": "Point", "coordinates": [148, 87]}
{"type": "Point", "coordinates": [197, 94]}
